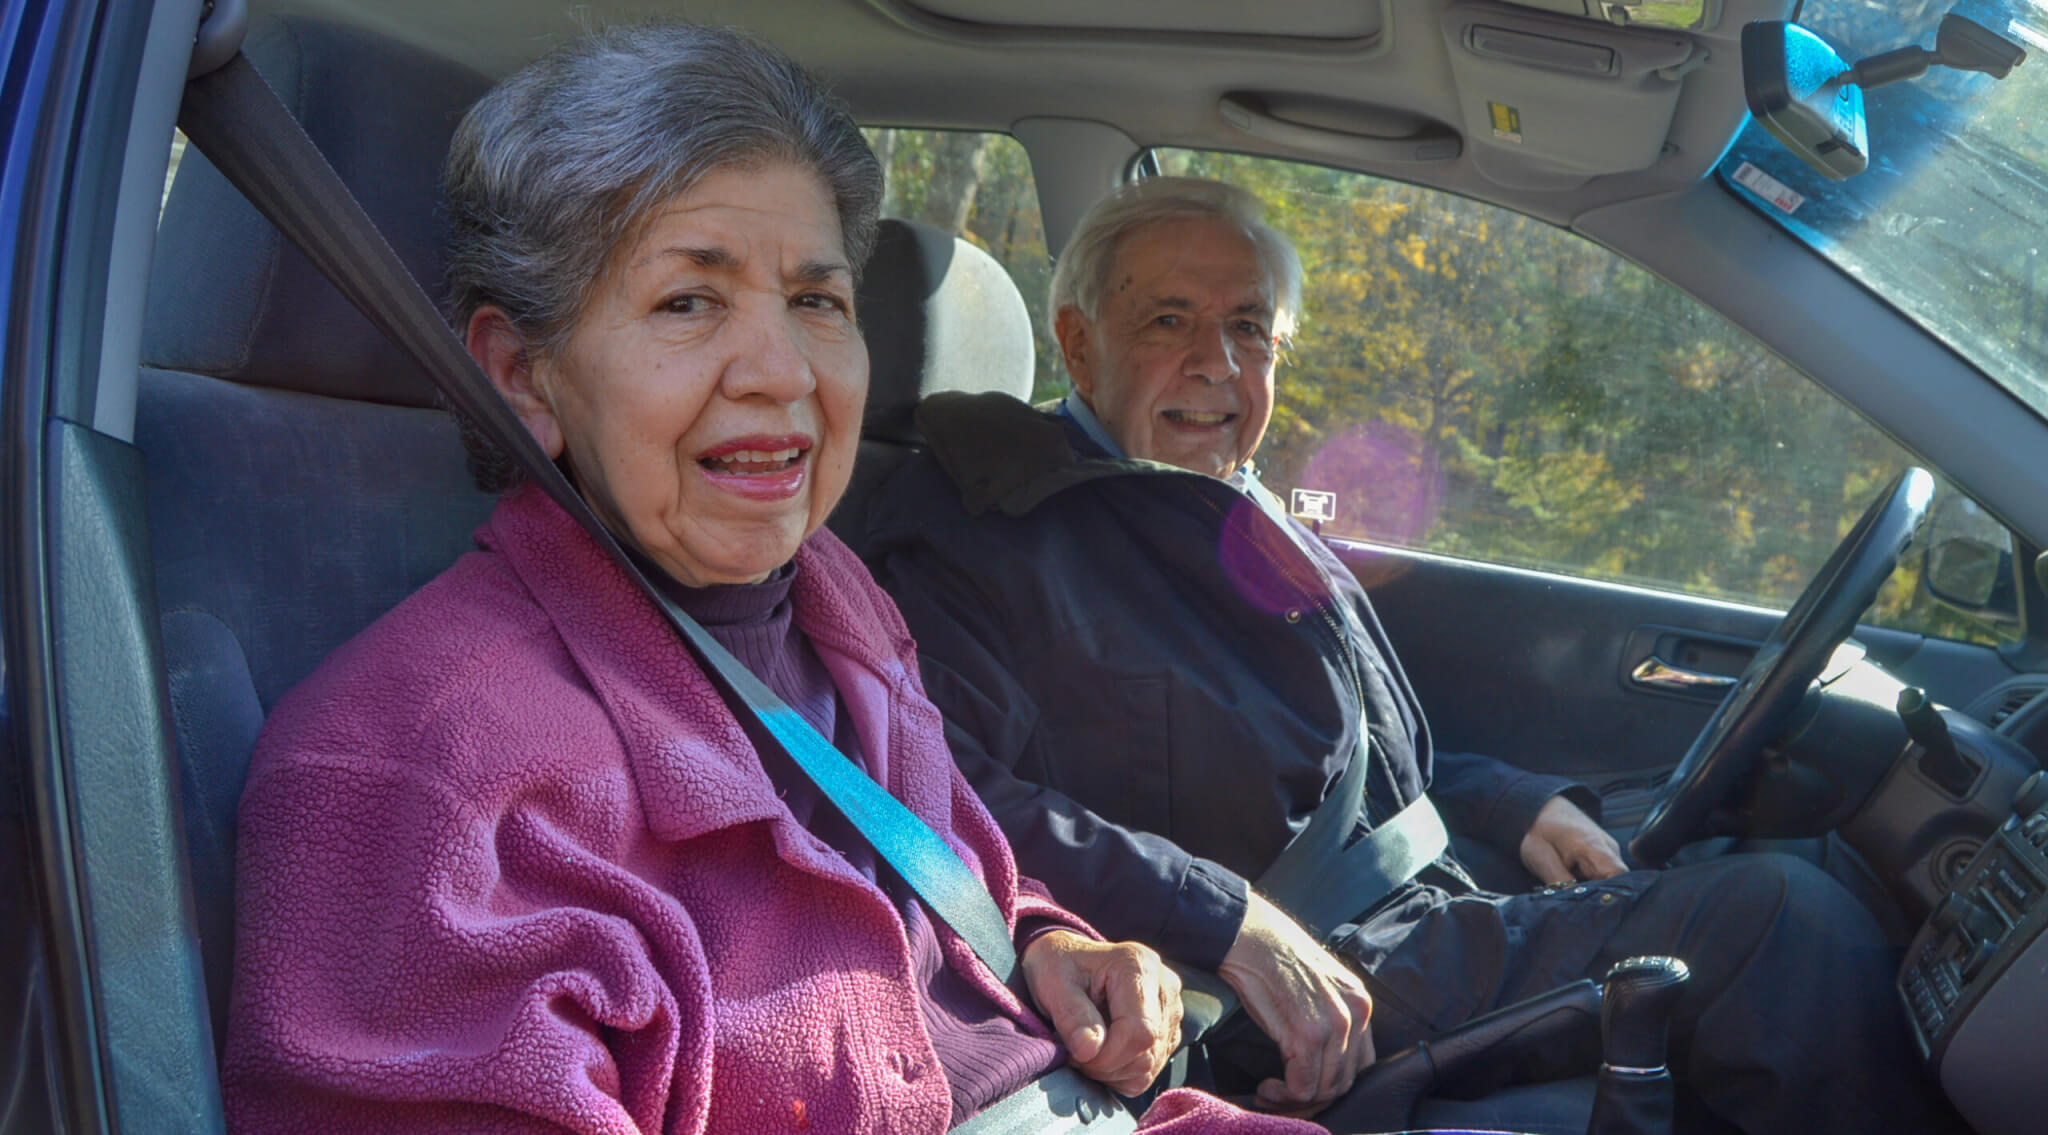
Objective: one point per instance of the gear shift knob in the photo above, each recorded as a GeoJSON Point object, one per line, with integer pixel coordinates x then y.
{"type": "Point", "coordinates": [1633, 1096]}
{"type": "Point", "coordinates": [1635, 1011]}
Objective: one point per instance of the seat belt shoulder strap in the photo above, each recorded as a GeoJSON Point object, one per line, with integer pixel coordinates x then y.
{"type": "Point", "coordinates": [1323, 882]}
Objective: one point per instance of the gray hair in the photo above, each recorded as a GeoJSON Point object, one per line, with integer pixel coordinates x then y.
{"type": "Point", "coordinates": [1082, 274]}
{"type": "Point", "coordinates": [564, 162]}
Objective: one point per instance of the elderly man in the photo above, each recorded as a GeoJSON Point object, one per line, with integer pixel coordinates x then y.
{"type": "Point", "coordinates": [1153, 676]}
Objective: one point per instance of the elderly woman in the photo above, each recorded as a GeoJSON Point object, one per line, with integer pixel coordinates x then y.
{"type": "Point", "coordinates": [509, 862]}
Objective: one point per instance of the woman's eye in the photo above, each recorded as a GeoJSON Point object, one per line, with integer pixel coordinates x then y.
{"type": "Point", "coordinates": [684, 304]}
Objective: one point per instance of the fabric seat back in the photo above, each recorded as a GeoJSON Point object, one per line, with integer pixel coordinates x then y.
{"type": "Point", "coordinates": [299, 482]}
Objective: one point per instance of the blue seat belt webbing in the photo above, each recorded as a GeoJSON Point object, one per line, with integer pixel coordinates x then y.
{"type": "Point", "coordinates": [237, 121]}
{"type": "Point", "coordinates": [925, 861]}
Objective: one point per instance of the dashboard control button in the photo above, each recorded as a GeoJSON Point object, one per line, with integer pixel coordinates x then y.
{"type": "Point", "coordinates": [1975, 920]}
{"type": "Point", "coordinates": [2013, 887]}
{"type": "Point", "coordinates": [1981, 953]}
{"type": "Point", "coordinates": [2032, 794]}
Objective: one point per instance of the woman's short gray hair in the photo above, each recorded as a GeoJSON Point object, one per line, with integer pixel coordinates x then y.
{"type": "Point", "coordinates": [562, 163]}
{"type": "Point", "coordinates": [1082, 275]}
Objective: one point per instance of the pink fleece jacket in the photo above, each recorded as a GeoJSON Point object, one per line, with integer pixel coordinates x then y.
{"type": "Point", "coordinates": [509, 864]}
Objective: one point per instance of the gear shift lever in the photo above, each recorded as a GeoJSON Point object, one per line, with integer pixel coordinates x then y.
{"type": "Point", "coordinates": [1634, 1092]}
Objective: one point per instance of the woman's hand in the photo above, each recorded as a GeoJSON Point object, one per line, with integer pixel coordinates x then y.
{"type": "Point", "coordinates": [1114, 1004]}
{"type": "Point", "coordinates": [1310, 1003]}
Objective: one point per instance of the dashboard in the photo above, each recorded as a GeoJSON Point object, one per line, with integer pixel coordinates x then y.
{"type": "Point", "coordinates": [1975, 977]}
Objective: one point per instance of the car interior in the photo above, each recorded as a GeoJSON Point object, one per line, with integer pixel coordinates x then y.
{"type": "Point", "coordinates": [220, 471]}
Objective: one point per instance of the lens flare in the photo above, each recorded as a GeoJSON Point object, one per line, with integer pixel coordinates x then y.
{"type": "Point", "coordinates": [1388, 484]}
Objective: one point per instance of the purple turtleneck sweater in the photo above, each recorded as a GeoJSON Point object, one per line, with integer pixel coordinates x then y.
{"type": "Point", "coordinates": [984, 1054]}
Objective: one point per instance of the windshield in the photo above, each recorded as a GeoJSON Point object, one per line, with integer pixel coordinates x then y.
{"type": "Point", "coordinates": [1948, 222]}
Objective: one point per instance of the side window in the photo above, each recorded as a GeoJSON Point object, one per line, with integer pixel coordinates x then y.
{"type": "Point", "coordinates": [1472, 382]}
{"type": "Point", "coordinates": [171, 174]}
{"type": "Point", "coordinates": [976, 186]}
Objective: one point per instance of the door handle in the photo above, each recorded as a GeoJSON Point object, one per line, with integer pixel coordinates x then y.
{"type": "Point", "coordinates": [1656, 674]}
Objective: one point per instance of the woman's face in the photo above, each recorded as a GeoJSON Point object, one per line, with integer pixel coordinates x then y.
{"type": "Point", "coordinates": [710, 395]}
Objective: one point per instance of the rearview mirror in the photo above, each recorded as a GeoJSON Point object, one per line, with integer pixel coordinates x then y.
{"type": "Point", "coordinates": [1811, 99]}
{"type": "Point", "coordinates": [1799, 89]}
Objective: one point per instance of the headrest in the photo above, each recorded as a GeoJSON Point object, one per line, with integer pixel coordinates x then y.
{"type": "Point", "coordinates": [229, 298]}
{"type": "Point", "coordinates": [938, 314]}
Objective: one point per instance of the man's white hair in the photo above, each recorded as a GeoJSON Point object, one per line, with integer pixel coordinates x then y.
{"type": "Point", "coordinates": [1083, 271]}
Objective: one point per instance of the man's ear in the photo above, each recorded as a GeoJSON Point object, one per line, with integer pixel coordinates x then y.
{"type": "Point", "coordinates": [499, 349]}
{"type": "Point", "coordinates": [1074, 331]}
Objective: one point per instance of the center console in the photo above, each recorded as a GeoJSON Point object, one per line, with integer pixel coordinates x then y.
{"type": "Point", "coordinates": [1975, 979]}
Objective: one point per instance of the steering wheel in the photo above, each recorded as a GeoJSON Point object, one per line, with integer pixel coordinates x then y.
{"type": "Point", "coordinates": [1764, 698]}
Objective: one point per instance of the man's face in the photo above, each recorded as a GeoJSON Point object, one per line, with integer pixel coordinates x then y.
{"type": "Point", "coordinates": [1179, 368]}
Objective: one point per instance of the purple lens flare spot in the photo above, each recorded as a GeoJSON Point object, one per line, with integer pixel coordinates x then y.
{"type": "Point", "coordinates": [1389, 486]}
{"type": "Point", "coordinates": [1264, 564]}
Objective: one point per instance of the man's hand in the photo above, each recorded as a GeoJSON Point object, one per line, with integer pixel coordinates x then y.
{"type": "Point", "coordinates": [1114, 1004]}
{"type": "Point", "coordinates": [1565, 845]}
{"type": "Point", "coordinates": [1310, 1003]}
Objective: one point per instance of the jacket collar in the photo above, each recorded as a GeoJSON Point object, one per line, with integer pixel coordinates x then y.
{"type": "Point", "coordinates": [1009, 457]}
{"type": "Point", "coordinates": [695, 768]}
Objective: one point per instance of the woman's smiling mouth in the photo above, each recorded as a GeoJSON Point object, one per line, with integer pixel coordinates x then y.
{"type": "Point", "coordinates": [753, 461]}
{"type": "Point", "coordinates": [759, 468]}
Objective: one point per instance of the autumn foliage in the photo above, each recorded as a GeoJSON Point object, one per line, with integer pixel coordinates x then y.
{"type": "Point", "coordinates": [1477, 383]}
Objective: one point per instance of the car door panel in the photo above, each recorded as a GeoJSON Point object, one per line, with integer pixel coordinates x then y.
{"type": "Point", "coordinates": [1538, 669]}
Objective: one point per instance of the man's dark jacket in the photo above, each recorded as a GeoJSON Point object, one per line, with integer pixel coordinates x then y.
{"type": "Point", "coordinates": [1150, 676]}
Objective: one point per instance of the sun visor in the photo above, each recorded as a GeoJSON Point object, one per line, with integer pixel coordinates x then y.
{"type": "Point", "coordinates": [1549, 102]}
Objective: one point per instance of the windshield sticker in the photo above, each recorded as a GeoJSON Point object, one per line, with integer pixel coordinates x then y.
{"type": "Point", "coordinates": [1313, 504]}
{"type": "Point", "coordinates": [1769, 188]}
{"type": "Point", "coordinates": [1507, 122]}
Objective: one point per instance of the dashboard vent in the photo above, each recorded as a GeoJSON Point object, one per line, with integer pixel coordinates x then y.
{"type": "Point", "coordinates": [2011, 705]}
{"type": "Point", "coordinates": [2007, 699]}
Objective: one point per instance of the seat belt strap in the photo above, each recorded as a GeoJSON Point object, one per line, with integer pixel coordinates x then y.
{"type": "Point", "coordinates": [1317, 878]}
{"type": "Point", "coordinates": [1061, 1102]}
{"type": "Point", "coordinates": [1327, 886]}
{"type": "Point", "coordinates": [1291, 878]}
{"type": "Point", "coordinates": [924, 860]}
{"type": "Point", "coordinates": [237, 121]}
{"type": "Point", "coordinates": [1324, 884]}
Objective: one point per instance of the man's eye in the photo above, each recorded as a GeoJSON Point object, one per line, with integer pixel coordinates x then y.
{"type": "Point", "coordinates": [821, 301]}
{"type": "Point", "coordinates": [1167, 320]}
{"type": "Point", "coordinates": [1252, 329]}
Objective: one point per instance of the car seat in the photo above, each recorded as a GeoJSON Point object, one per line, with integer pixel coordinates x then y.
{"type": "Point", "coordinates": [938, 314]}
{"type": "Point", "coordinates": [300, 481]}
